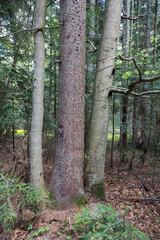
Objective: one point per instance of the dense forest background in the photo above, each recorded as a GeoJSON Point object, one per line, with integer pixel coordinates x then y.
{"type": "Point", "coordinates": [142, 116]}
{"type": "Point", "coordinates": [133, 142]}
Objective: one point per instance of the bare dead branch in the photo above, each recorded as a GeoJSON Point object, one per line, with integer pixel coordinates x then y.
{"type": "Point", "coordinates": [93, 46]}
{"type": "Point", "coordinates": [31, 30]}
{"type": "Point", "coordinates": [128, 59]}
{"type": "Point", "coordinates": [132, 18]}
{"type": "Point", "coordinates": [140, 80]}
{"type": "Point", "coordinates": [125, 91]}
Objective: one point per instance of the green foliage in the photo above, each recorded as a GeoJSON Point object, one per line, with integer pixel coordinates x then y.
{"type": "Point", "coordinates": [126, 74]}
{"type": "Point", "coordinates": [104, 222]}
{"type": "Point", "coordinates": [40, 231]}
{"type": "Point", "coordinates": [25, 195]}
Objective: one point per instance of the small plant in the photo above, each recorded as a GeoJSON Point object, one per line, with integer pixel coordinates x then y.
{"type": "Point", "coordinates": [40, 231]}
{"type": "Point", "coordinates": [15, 195]}
{"type": "Point", "coordinates": [104, 222]}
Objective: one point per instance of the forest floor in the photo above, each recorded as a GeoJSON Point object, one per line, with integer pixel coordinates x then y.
{"type": "Point", "coordinates": [137, 191]}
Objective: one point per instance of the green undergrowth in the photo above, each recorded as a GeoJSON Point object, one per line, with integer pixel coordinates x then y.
{"type": "Point", "coordinates": [15, 196]}
{"type": "Point", "coordinates": [104, 222]}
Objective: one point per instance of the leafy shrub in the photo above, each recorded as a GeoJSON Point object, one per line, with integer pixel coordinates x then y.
{"type": "Point", "coordinates": [104, 222]}
{"type": "Point", "coordinates": [15, 195]}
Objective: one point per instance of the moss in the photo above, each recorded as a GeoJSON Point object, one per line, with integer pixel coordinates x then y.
{"type": "Point", "coordinates": [79, 201]}
{"type": "Point", "coordinates": [98, 190]}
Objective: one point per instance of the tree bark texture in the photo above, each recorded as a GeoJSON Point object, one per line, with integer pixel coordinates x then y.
{"type": "Point", "coordinates": [36, 168]}
{"type": "Point", "coordinates": [97, 137]}
{"type": "Point", "coordinates": [67, 177]}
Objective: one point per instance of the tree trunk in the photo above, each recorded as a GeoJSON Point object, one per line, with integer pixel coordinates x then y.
{"type": "Point", "coordinates": [144, 106]}
{"type": "Point", "coordinates": [97, 137]}
{"type": "Point", "coordinates": [148, 27]}
{"type": "Point", "coordinates": [155, 32]}
{"type": "Point", "coordinates": [125, 46]}
{"type": "Point", "coordinates": [67, 177]}
{"type": "Point", "coordinates": [36, 166]}
{"type": "Point", "coordinates": [90, 71]}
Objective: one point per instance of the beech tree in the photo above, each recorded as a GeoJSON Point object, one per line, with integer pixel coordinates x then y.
{"type": "Point", "coordinates": [36, 167]}
{"type": "Point", "coordinates": [97, 137]}
{"type": "Point", "coordinates": [67, 177]}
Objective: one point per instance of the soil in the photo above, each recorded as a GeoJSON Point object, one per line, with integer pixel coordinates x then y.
{"type": "Point", "coordinates": [135, 193]}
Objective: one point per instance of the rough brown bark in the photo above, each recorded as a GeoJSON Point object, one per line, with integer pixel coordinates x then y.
{"type": "Point", "coordinates": [67, 177]}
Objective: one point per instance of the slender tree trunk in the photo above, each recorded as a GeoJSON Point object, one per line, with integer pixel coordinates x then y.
{"type": "Point", "coordinates": [55, 91]}
{"type": "Point", "coordinates": [144, 123]}
{"type": "Point", "coordinates": [133, 133]}
{"type": "Point", "coordinates": [154, 63]}
{"type": "Point", "coordinates": [90, 64]}
{"type": "Point", "coordinates": [148, 25]}
{"type": "Point", "coordinates": [155, 32]}
{"type": "Point", "coordinates": [91, 36]}
{"type": "Point", "coordinates": [125, 44]}
{"type": "Point", "coordinates": [137, 29]}
{"type": "Point", "coordinates": [97, 137]}
{"type": "Point", "coordinates": [67, 177]}
{"type": "Point", "coordinates": [113, 129]}
{"type": "Point", "coordinates": [131, 32]}
{"type": "Point", "coordinates": [36, 165]}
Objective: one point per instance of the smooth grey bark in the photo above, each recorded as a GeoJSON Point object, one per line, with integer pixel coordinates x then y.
{"type": "Point", "coordinates": [67, 177]}
{"type": "Point", "coordinates": [97, 137]}
{"type": "Point", "coordinates": [36, 166]}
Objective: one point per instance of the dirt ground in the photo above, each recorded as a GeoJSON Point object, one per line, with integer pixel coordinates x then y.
{"type": "Point", "coordinates": [135, 192]}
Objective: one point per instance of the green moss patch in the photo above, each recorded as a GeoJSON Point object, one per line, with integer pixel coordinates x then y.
{"type": "Point", "coordinates": [98, 190]}
{"type": "Point", "coordinates": [79, 201]}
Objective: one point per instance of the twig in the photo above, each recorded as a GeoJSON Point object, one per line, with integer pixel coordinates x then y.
{"type": "Point", "coordinates": [128, 59]}
{"type": "Point", "coordinates": [70, 225]}
{"type": "Point", "coordinates": [32, 224]}
{"type": "Point", "coordinates": [145, 188]}
{"type": "Point", "coordinates": [93, 46]}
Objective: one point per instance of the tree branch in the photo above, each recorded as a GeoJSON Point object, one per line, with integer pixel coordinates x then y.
{"type": "Point", "coordinates": [30, 30]}
{"type": "Point", "coordinates": [93, 46]}
{"type": "Point", "coordinates": [51, 3]}
{"type": "Point", "coordinates": [132, 18]}
{"type": "Point", "coordinates": [125, 90]}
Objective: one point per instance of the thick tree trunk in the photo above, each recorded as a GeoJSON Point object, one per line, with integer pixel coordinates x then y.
{"type": "Point", "coordinates": [36, 167]}
{"type": "Point", "coordinates": [67, 177]}
{"type": "Point", "coordinates": [97, 137]}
